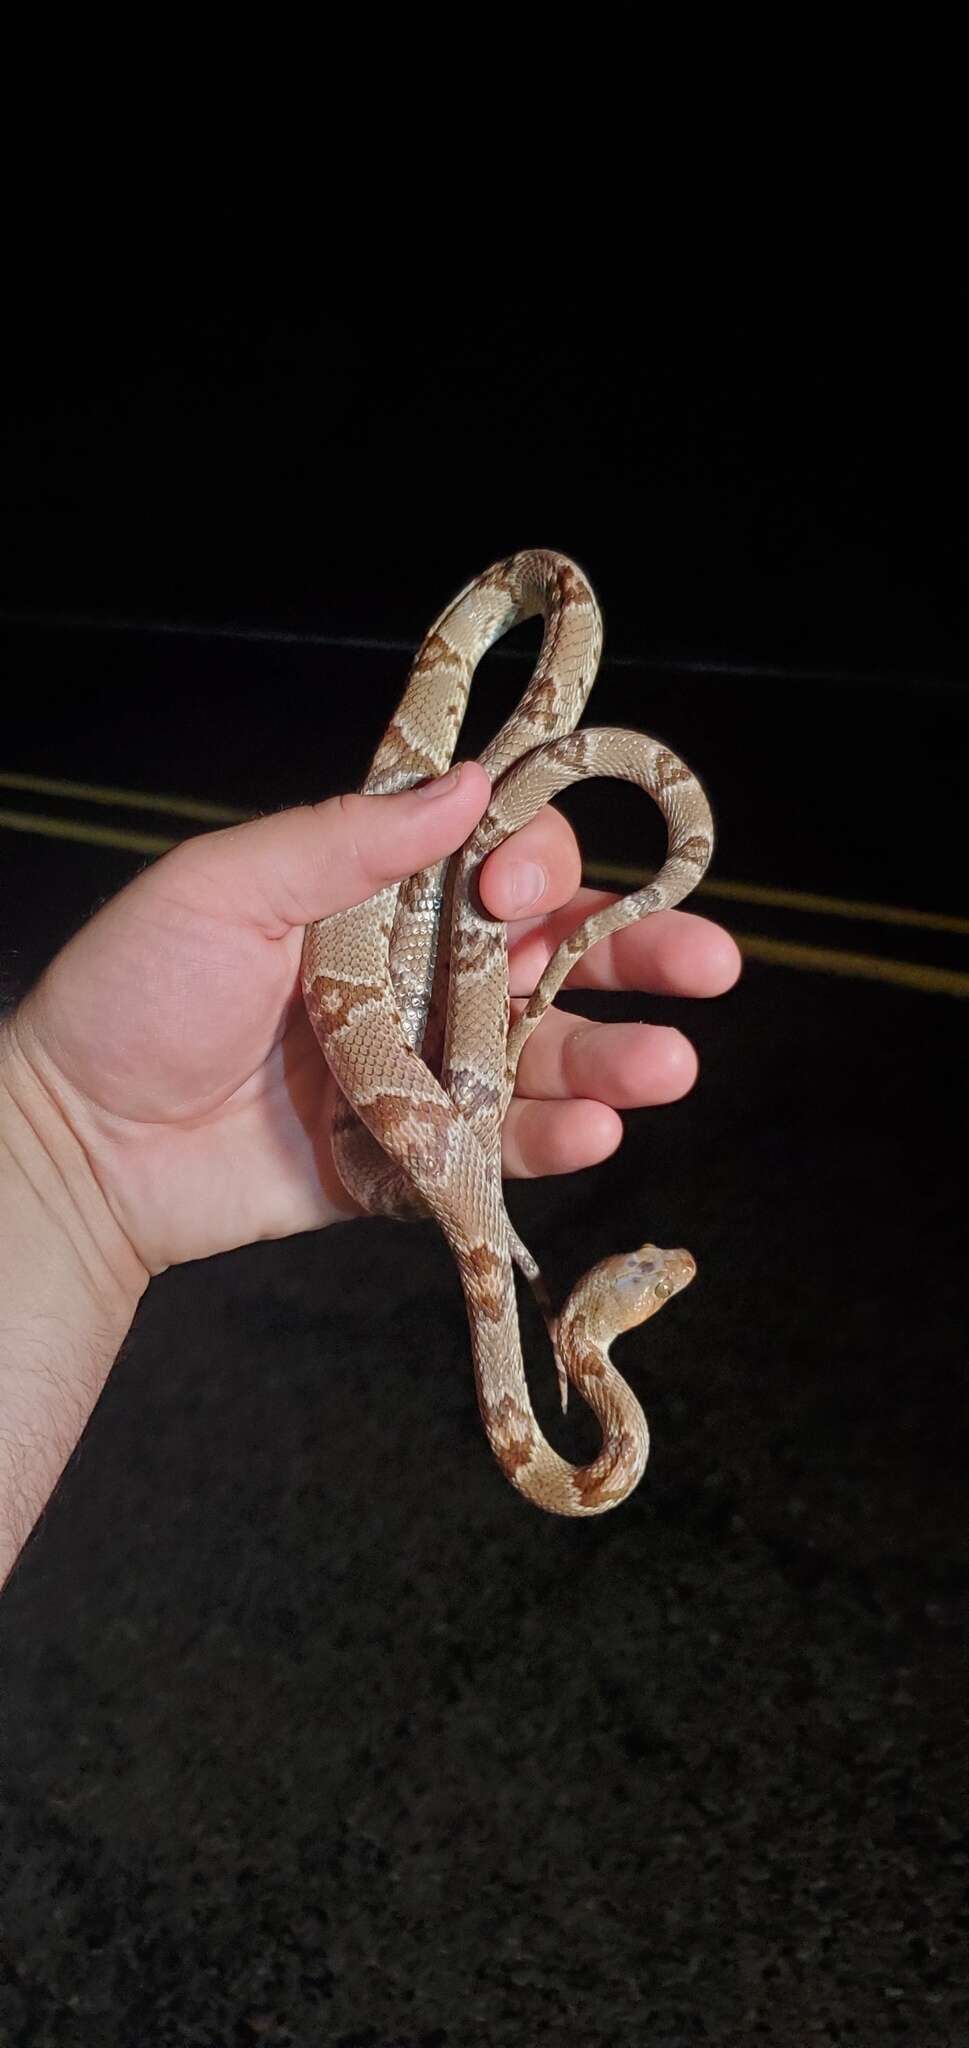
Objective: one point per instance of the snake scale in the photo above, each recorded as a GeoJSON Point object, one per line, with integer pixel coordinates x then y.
{"type": "Point", "coordinates": [408, 996]}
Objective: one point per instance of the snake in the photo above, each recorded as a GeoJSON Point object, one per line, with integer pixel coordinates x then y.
{"type": "Point", "coordinates": [408, 996]}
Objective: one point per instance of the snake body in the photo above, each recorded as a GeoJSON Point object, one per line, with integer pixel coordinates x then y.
{"type": "Point", "coordinates": [408, 996]}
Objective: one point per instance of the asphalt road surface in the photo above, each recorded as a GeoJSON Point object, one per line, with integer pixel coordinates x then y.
{"type": "Point", "coordinates": [313, 1732]}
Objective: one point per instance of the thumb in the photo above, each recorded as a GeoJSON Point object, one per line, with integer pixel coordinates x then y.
{"type": "Point", "coordinates": [302, 864]}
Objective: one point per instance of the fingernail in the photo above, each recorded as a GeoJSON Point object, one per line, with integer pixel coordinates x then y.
{"type": "Point", "coordinates": [525, 882]}
{"type": "Point", "coordinates": [441, 785]}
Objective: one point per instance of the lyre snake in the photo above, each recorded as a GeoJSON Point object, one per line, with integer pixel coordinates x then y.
{"type": "Point", "coordinates": [408, 996]}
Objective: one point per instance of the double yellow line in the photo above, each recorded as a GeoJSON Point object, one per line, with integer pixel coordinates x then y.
{"type": "Point", "coordinates": [939, 981]}
{"type": "Point", "coordinates": [778, 952]}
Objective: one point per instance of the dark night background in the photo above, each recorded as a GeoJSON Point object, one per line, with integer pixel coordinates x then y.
{"type": "Point", "coordinates": [313, 1733]}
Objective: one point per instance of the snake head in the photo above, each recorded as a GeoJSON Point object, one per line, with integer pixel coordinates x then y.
{"type": "Point", "coordinates": [637, 1284]}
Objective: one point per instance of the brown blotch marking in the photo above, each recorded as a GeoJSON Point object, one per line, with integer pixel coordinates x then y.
{"type": "Point", "coordinates": [501, 576]}
{"type": "Point", "coordinates": [572, 586]}
{"type": "Point", "coordinates": [590, 1365]}
{"type": "Point", "coordinates": [476, 951]}
{"type": "Point", "coordinates": [473, 1090]}
{"type": "Point", "coordinates": [593, 1483]}
{"type": "Point", "coordinates": [513, 1430]}
{"type": "Point", "coordinates": [575, 749]}
{"type": "Point", "coordinates": [395, 748]}
{"type": "Point", "coordinates": [488, 834]}
{"type": "Point", "coordinates": [541, 704]}
{"type": "Point", "coordinates": [486, 1281]}
{"type": "Point", "coordinates": [669, 769]}
{"type": "Point", "coordinates": [436, 653]}
{"type": "Point", "coordinates": [578, 1343]}
{"type": "Point", "coordinates": [577, 943]}
{"type": "Point", "coordinates": [424, 1129]}
{"type": "Point", "coordinates": [696, 849]}
{"type": "Point", "coordinates": [336, 1002]}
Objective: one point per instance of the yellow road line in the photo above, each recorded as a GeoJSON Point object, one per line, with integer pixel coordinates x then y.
{"type": "Point", "coordinates": [939, 981]}
{"type": "Point", "coordinates": [88, 835]}
{"type": "Point", "coordinates": [777, 952]}
{"type": "Point", "coordinates": [124, 799]}
{"type": "Point", "coordinates": [794, 899]}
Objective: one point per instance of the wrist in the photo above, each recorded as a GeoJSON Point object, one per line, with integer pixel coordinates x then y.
{"type": "Point", "coordinates": [69, 1286]}
{"type": "Point", "coordinates": [49, 1180]}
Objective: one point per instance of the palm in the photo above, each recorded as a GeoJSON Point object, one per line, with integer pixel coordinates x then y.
{"type": "Point", "coordinates": [206, 1090]}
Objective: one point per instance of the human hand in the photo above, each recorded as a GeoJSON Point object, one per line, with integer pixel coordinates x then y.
{"type": "Point", "coordinates": [171, 1034]}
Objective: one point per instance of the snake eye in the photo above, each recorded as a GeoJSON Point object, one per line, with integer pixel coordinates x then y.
{"type": "Point", "coordinates": [663, 1289]}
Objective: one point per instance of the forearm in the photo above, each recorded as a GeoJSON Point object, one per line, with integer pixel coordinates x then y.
{"type": "Point", "coordinates": [69, 1286]}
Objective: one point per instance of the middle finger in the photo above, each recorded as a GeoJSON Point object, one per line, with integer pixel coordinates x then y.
{"type": "Point", "coordinates": [629, 1066]}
